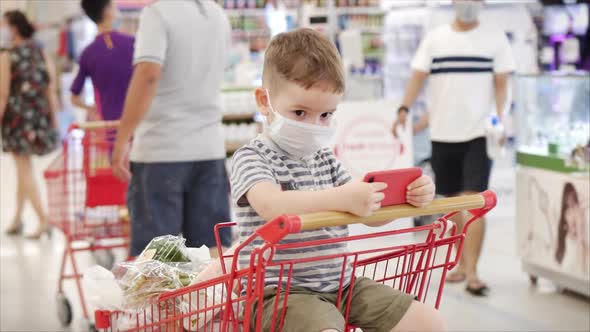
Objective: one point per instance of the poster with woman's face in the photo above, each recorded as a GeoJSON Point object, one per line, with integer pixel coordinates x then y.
{"type": "Point", "coordinates": [553, 220]}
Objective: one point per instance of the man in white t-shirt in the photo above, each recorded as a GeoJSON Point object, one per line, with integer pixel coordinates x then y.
{"type": "Point", "coordinates": [178, 182]}
{"type": "Point", "coordinates": [468, 65]}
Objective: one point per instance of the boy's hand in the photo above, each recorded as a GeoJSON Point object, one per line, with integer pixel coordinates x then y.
{"type": "Point", "coordinates": [361, 198]}
{"type": "Point", "coordinates": [421, 192]}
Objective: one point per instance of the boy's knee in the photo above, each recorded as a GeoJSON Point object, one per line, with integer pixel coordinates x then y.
{"type": "Point", "coordinates": [421, 317]}
{"type": "Point", "coordinates": [433, 321]}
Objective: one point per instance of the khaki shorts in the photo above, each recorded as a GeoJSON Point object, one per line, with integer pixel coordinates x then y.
{"type": "Point", "coordinates": [374, 308]}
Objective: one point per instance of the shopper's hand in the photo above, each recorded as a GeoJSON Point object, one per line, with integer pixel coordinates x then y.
{"type": "Point", "coordinates": [400, 121]}
{"type": "Point", "coordinates": [120, 162]}
{"type": "Point", "coordinates": [503, 140]}
{"type": "Point", "coordinates": [361, 198]}
{"type": "Point", "coordinates": [421, 192]}
{"type": "Point", "coordinates": [92, 114]}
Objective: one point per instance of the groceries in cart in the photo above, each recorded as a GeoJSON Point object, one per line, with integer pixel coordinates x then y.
{"type": "Point", "coordinates": [165, 265]}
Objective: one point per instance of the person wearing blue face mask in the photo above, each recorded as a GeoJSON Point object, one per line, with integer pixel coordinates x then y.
{"type": "Point", "coordinates": [468, 65]}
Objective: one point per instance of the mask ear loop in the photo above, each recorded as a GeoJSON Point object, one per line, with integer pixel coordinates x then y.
{"type": "Point", "coordinates": [268, 100]}
{"type": "Point", "coordinates": [272, 110]}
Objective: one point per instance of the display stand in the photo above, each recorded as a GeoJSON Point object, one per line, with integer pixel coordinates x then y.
{"type": "Point", "coordinates": [553, 179]}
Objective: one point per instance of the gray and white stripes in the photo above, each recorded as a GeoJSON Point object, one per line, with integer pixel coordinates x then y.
{"type": "Point", "coordinates": [261, 161]}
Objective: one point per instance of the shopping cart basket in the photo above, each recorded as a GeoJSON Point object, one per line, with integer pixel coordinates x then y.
{"type": "Point", "coordinates": [87, 203]}
{"type": "Point", "coordinates": [225, 303]}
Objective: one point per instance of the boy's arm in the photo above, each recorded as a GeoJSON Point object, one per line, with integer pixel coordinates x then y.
{"type": "Point", "coordinates": [359, 198]}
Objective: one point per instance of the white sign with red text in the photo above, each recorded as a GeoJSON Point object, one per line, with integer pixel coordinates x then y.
{"type": "Point", "coordinates": [364, 142]}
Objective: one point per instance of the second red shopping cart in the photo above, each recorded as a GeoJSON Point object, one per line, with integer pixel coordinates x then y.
{"type": "Point", "coordinates": [87, 203]}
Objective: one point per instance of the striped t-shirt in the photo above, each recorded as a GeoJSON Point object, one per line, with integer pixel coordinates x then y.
{"type": "Point", "coordinates": [261, 160]}
{"type": "Point", "coordinates": [461, 68]}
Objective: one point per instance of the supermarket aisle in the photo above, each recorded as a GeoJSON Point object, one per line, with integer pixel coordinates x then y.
{"type": "Point", "coordinates": [29, 270]}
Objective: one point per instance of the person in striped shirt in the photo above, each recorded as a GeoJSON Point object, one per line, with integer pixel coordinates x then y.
{"type": "Point", "coordinates": [289, 170]}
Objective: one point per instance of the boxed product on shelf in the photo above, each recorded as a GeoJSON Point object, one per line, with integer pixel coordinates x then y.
{"type": "Point", "coordinates": [357, 3]}
{"type": "Point", "coordinates": [239, 103]}
{"type": "Point", "coordinates": [240, 132]}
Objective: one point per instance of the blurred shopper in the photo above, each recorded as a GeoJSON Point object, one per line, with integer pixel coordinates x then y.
{"type": "Point", "coordinates": [173, 110]}
{"type": "Point", "coordinates": [108, 61]}
{"type": "Point", "coordinates": [468, 64]}
{"type": "Point", "coordinates": [28, 102]}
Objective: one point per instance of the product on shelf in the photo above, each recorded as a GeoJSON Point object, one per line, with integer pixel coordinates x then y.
{"type": "Point", "coordinates": [357, 3]}
{"type": "Point", "coordinates": [239, 103]}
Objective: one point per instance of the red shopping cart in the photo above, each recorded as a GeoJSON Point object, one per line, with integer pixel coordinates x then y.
{"type": "Point", "coordinates": [225, 303]}
{"type": "Point", "coordinates": [87, 203]}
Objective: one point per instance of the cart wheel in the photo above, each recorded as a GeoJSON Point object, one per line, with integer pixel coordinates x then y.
{"type": "Point", "coordinates": [64, 310]}
{"type": "Point", "coordinates": [104, 258]}
{"type": "Point", "coordinates": [534, 280]}
{"type": "Point", "coordinates": [90, 327]}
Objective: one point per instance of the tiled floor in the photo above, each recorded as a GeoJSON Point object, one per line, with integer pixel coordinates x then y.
{"type": "Point", "coordinates": [29, 270]}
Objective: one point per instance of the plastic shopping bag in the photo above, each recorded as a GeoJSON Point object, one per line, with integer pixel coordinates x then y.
{"type": "Point", "coordinates": [205, 304]}
{"type": "Point", "coordinates": [101, 289]}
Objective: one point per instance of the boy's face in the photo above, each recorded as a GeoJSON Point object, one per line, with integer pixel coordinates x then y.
{"type": "Point", "coordinates": [313, 106]}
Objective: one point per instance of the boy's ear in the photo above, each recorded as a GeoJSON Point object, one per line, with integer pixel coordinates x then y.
{"type": "Point", "coordinates": [262, 101]}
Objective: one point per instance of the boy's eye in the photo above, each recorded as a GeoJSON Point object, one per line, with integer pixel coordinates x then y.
{"type": "Point", "coordinates": [299, 113]}
{"type": "Point", "coordinates": [326, 115]}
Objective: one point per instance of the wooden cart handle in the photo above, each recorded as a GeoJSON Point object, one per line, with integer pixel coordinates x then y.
{"type": "Point", "coordinates": [485, 200]}
{"type": "Point", "coordinates": [95, 125]}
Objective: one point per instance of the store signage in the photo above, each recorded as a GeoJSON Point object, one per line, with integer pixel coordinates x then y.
{"type": "Point", "coordinates": [132, 4]}
{"type": "Point", "coordinates": [364, 141]}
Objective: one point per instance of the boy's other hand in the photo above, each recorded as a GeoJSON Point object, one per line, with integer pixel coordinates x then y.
{"type": "Point", "coordinates": [421, 192]}
{"type": "Point", "coordinates": [362, 198]}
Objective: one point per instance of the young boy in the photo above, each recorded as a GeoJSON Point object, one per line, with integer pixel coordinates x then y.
{"type": "Point", "coordinates": [288, 170]}
{"type": "Point", "coordinates": [108, 61]}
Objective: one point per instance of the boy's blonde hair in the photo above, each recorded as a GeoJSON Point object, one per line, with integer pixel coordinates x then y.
{"type": "Point", "coordinates": [306, 57]}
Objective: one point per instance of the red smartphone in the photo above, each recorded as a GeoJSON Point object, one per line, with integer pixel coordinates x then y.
{"type": "Point", "coordinates": [397, 183]}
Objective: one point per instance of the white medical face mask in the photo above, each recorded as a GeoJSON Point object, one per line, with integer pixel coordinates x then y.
{"type": "Point", "coordinates": [468, 11]}
{"type": "Point", "coordinates": [298, 139]}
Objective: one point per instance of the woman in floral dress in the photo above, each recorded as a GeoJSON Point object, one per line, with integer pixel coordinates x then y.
{"type": "Point", "coordinates": [28, 101]}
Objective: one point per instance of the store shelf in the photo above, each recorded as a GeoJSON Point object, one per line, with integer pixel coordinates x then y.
{"type": "Point", "coordinates": [371, 30]}
{"type": "Point", "coordinates": [236, 88]}
{"type": "Point", "coordinates": [254, 12]}
{"type": "Point", "coordinates": [250, 34]}
{"type": "Point", "coordinates": [239, 117]}
{"type": "Point", "coordinates": [374, 54]}
{"type": "Point", "coordinates": [365, 77]}
{"type": "Point", "coordinates": [318, 12]}
{"type": "Point", "coordinates": [232, 147]}
{"type": "Point", "coordinates": [245, 12]}
{"type": "Point", "coordinates": [360, 11]}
